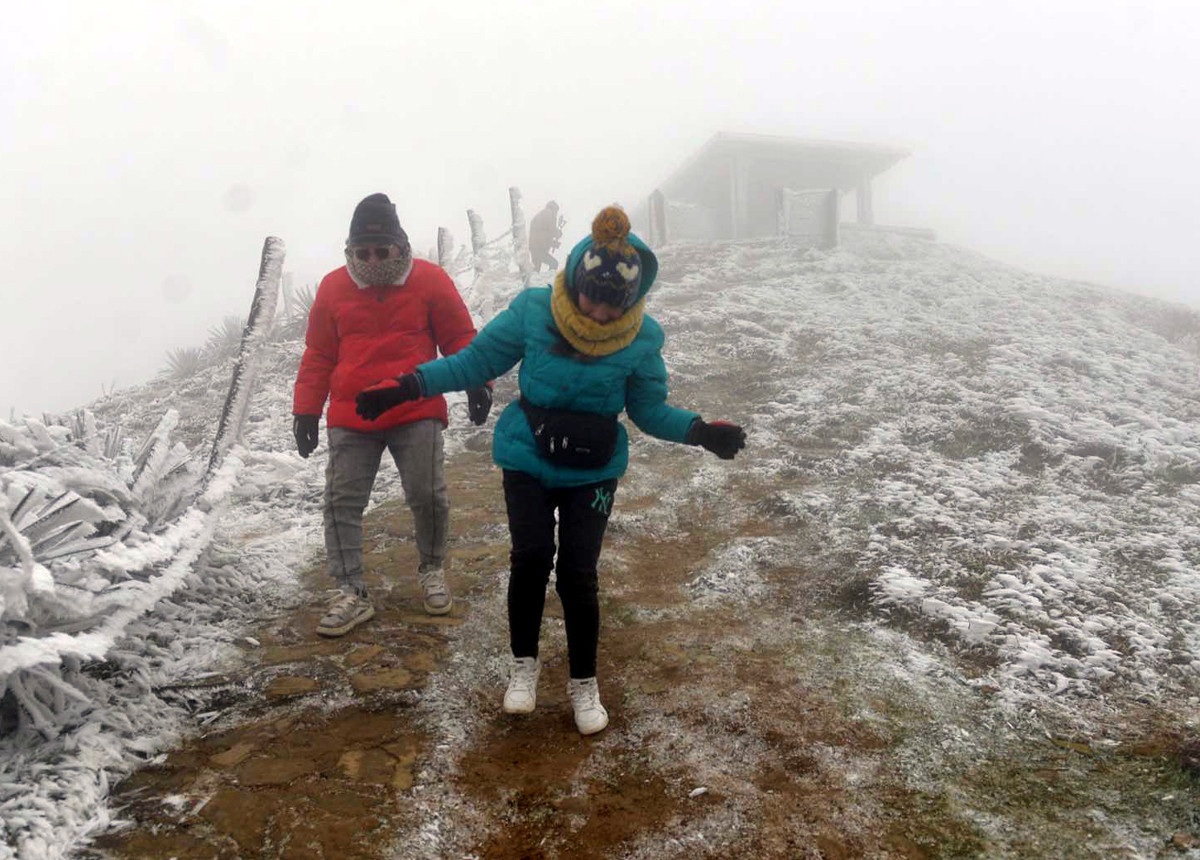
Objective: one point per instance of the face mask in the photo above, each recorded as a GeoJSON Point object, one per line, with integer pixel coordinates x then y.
{"type": "Point", "coordinates": [378, 273]}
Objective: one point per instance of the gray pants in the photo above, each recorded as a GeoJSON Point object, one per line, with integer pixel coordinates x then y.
{"type": "Point", "coordinates": [354, 457]}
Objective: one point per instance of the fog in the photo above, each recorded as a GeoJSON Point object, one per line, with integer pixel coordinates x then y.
{"type": "Point", "coordinates": [147, 149]}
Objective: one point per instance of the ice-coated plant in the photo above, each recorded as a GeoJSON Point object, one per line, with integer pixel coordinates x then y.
{"type": "Point", "coordinates": [299, 305]}
{"type": "Point", "coordinates": [183, 362]}
{"type": "Point", "coordinates": [225, 338]}
{"type": "Point", "coordinates": [82, 521]}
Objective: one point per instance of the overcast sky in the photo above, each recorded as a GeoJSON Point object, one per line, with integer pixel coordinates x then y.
{"type": "Point", "coordinates": [146, 149]}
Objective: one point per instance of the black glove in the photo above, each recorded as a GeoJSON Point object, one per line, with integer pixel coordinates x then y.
{"type": "Point", "coordinates": [720, 437]}
{"type": "Point", "coordinates": [479, 403]}
{"type": "Point", "coordinates": [382, 396]}
{"type": "Point", "coordinates": [304, 428]}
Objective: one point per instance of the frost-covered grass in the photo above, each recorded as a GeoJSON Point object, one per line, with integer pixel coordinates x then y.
{"type": "Point", "coordinates": [1013, 459]}
{"type": "Point", "coordinates": [994, 475]}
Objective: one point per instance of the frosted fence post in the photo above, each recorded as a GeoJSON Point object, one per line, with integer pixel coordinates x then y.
{"type": "Point", "coordinates": [658, 218]}
{"type": "Point", "coordinates": [781, 211]}
{"type": "Point", "coordinates": [478, 240]}
{"type": "Point", "coordinates": [445, 247]}
{"type": "Point", "coordinates": [289, 296]}
{"type": "Point", "coordinates": [262, 312]}
{"type": "Point", "coordinates": [520, 237]}
{"type": "Point", "coordinates": [481, 289]}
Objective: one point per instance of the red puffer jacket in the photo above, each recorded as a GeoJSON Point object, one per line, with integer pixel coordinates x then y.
{"type": "Point", "coordinates": [356, 337]}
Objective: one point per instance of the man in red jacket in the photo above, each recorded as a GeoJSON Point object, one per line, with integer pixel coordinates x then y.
{"type": "Point", "coordinates": [377, 318]}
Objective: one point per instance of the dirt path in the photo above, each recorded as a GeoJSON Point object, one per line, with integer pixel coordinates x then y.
{"type": "Point", "coordinates": [322, 744]}
{"type": "Point", "coordinates": [761, 704]}
{"type": "Point", "coordinates": [758, 724]}
{"type": "Point", "coordinates": [319, 749]}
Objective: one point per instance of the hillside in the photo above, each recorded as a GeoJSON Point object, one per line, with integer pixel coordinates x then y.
{"type": "Point", "coordinates": [946, 604]}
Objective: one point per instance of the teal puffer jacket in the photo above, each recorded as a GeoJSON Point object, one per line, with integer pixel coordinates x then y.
{"type": "Point", "coordinates": [632, 380]}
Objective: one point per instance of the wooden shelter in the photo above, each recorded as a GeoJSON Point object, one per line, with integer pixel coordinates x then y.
{"type": "Point", "coordinates": [745, 185]}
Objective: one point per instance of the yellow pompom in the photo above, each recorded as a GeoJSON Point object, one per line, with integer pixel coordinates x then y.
{"type": "Point", "coordinates": [611, 227]}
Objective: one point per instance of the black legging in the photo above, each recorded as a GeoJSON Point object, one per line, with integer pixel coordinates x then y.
{"type": "Point", "coordinates": [582, 517]}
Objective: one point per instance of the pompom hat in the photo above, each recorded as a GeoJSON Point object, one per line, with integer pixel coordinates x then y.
{"type": "Point", "coordinates": [610, 270]}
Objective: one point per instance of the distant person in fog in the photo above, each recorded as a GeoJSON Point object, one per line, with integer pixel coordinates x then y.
{"type": "Point", "coordinates": [545, 232]}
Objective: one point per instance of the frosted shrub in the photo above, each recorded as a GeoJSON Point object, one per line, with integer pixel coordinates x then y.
{"type": "Point", "coordinates": [183, 362]}
{"type": "Point", "coordinates": [85, 523]}
{"type": "Point", "coordinates": [299, 304]}
{"type": "Point", "coordinates": [224, 339]}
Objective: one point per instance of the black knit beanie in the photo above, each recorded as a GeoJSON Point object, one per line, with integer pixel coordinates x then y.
{"type": "Point", "coordinates": [375, 223]}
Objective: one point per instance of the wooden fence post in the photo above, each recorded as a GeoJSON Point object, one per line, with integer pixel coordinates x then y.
{"type": "Point", "coordinates": [289, 295]}
{"type": "Point", "coordinates": [478, 240]}
{"type": "Point", "coordinates": [445, 247]}
{"type": "Point", "coordinates": [481, 289]}
{"type": "Point", "coordinates": [520, 236]}
{"type": "Point", "coordinates": [658, 218]}
{"type": "Point", "coordinates": [258, 326]}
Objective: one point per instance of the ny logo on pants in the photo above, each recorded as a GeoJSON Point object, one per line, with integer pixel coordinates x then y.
{"type": "Point", "coordinates": [602, 502]}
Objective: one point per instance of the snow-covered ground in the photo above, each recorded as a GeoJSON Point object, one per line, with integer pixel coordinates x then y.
{"type": "Point", "coordinates": [1007, 465]}
{"type": "Point", "coordinates": [1019, 457]}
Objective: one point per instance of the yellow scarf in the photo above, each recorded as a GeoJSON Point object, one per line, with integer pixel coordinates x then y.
{"type": "Point", "coordinates": [583, 332]}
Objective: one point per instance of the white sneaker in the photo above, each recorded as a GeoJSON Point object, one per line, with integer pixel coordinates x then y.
{"type": "Point", "coordinates": [521, 696]}
{"type": "Point", "coordinates": [437, 594]}
{"type": "Point", "coordinates": [590, 715]}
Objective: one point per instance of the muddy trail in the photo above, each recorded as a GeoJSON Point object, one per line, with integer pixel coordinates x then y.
{"type": "Point", "coordinates": [762, 702]}
{"type": "Point", "coordinates": [757, 726]}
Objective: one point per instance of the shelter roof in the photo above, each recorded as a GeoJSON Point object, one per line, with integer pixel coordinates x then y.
{"type": "Point", "coordinates": [864, 159]}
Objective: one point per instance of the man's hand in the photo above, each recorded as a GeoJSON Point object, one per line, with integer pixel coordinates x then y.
{"type": "Point", "coordinates": [379, 398]}
{"type": "Point", "coordinates": [479, 404]}
{"type": "Point", "coordinates": [720, 437]}
{"type": "Point", "coordinates": [305, 429]}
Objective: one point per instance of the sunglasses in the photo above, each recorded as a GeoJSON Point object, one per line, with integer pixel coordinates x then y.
{"type": "Point", "coordinates": [379, 252]}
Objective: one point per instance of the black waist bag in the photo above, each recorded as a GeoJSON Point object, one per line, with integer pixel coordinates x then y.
{"type": "Point", "coordinates": [577, 440]}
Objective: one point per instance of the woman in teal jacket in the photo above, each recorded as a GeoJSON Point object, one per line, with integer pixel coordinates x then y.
{"type": "Point", "coordinates": [588, 351]}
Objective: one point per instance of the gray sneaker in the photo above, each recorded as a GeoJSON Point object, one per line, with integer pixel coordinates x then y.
{"type": "Point", "coordinates": [437, 594]}
{"type": "Point", "coordinates": [347, 610]}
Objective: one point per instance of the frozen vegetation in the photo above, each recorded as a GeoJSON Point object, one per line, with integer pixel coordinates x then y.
{"type": "Point", "coordinates": [998, 472]}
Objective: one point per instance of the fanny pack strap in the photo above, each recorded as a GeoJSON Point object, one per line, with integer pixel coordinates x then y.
{"type": "Point", "coordinates": [534, 412]}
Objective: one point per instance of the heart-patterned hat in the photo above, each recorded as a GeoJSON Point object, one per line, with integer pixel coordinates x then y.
{"type": "Point", "coordinates": [610, 271]}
